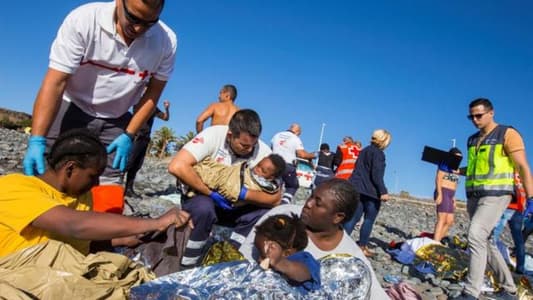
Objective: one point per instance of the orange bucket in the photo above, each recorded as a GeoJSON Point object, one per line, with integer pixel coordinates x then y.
{"type": "Point", "coordinates": [108, 198]}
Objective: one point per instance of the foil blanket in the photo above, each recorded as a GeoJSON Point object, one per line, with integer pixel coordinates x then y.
{"type": "Point", "coordinates": [342, 276]}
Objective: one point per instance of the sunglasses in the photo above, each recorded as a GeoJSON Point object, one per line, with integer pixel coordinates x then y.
{"type": "Point", "coordinates": [476, 116]}
{"type": "Point", "coordinates": [133, 19]}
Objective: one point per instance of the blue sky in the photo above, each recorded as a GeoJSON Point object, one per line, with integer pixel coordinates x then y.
{"type": "Point", "coordinates": [410, 67]}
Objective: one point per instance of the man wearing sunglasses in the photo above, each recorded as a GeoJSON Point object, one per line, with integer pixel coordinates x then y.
{"type": "Point", "coordinates": [494, 153]}
{"type": "Point", "coordinates": [105, 58]}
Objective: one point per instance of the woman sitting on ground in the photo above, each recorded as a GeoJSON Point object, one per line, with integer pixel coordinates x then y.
{"type": "Point", "coordinates": [323, 214]}
{"type": "Point", "coordinates": [55, 205]}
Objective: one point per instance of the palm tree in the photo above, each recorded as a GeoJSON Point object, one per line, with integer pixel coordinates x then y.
{"type": "Point", "coordinates": [161, 139]}
{"type": "Point", "coordinates": [184, 139]}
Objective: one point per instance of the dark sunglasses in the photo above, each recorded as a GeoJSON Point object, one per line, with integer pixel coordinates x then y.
{"type": "Point", "coordinates": [133, 19]}
{"type": "Point", "coordinates": [476, 116]}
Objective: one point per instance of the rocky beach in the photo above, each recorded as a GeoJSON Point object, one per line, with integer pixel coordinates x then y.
{"type": "Point", "coordinates": [398, 220]}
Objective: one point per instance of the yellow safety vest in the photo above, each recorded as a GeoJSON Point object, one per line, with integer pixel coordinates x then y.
{"type": "Point", "coordinates": [490, 172]}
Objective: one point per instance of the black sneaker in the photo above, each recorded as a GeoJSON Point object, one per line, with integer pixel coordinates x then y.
{"type": "Point", "coordinates": [503, 295]}
{"type": "Point", "coordinates": [463, 296]}
{"type": "Point", "coordinates": [131, 194]}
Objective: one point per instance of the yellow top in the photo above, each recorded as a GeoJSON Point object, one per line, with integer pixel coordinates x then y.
{"type": "Point", "coordinates": [22, 200]}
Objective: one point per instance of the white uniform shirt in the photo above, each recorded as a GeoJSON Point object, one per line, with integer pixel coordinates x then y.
{"type": "Point", "coordinates": [107, 76]}
{"type": "Point", "coordinates": [285, 144]}
{"type": "Point", "coordinates": [212, 142]}
{"type": "Point", "coordinates": [346, 246]}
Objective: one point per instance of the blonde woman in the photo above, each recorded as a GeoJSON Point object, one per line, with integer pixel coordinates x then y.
{"type": "Point", "coordinates": [367, 179]}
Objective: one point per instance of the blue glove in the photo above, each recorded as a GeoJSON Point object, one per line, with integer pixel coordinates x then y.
{"type": "Point", "coordinates": [220, 201]}
{"type": "Point", "coordinates": [529, 206]}
{"type": "Point", "coordinates": [122, 144]}
{"type": "Point", "coordinates": [35, 155]}
{"type": "Point", "coordinates": [242, 194]}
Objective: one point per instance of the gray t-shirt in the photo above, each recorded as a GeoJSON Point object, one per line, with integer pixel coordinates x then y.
{"type": "Point", "coordinates": [346, 246]}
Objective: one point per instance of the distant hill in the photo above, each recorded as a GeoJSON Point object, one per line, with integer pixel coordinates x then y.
{"type": "Point", "coordinates": [13, 119]}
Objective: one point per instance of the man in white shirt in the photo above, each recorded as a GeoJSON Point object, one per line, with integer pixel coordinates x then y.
{"type": "Point", "coordinates": [289, 145]}
{"type": "Point", "coordinates": [228, 145]}
{"type": "Point", "coordinates": [105, 58]}
{"type": "Point", "coordinates": [324, 212]}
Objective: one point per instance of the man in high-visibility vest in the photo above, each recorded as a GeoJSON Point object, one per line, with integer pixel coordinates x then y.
{"type": "Point", "coordinates": [346, 157]}
{"type": "Point", "coordinates": [494, 152]}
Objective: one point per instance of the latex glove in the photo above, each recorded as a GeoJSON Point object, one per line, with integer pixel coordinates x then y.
{"type": "Point", "coordinates": [529, 207]}
{"type": "Point", "coordinates": [242, 194]}
{"type": "Point", "coordinates": [34, 157]}
{"type": "Point", "coordinates": [122, 145]}
{"type": "Point", "coordinates": [220, 201]}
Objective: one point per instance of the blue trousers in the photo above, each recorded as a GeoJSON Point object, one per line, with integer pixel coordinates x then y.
{"type": "Point", "coordinates": [515, 220]}
{"type": "Point", "coordinates": [290, 182]}
{"type": "Point", "coordinates": [204, 214]}
{"type": "Point", "coordinates": [136, 159]}
{"type": "Point", "coordinates": [323, 174]}
{"type": "Point", "coordinates": [370, 208]}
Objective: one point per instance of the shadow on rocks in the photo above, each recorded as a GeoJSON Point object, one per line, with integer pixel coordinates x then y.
{"type": "Point", "coordinates": [400, 233]}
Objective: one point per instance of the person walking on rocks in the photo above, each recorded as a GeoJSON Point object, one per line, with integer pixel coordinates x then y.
{"type": "Point", "coordinates": [289, 145]}
{"type": "Point", "coordinates": [220, 112]}
{"type": "Point", "coordinates": [140, 145]}
{"type": "Point", "coordinates": [494, 152]}
{"type": "Point", "coordinates": [229, 145]}
{"type": "Point", "coordinates": [102, 62]}
{"type": "Point", "coordinates": [367, 179]}
{"type": "Point", "coordinates": [446, 181]}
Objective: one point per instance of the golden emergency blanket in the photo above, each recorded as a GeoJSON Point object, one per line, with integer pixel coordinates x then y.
{"type": "Point", "coordinates": [449, 263]}
{"type": "Point", "coordinates": [221, 252]}
{"type": "Point", "coordinates": [525, 290]}
{"type": "Point", "coordinates": [224, 179]}
{"type": "Point", "coordinates": [55, 270]}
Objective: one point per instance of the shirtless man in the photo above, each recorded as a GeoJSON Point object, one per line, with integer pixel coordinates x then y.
{"type": "Point", "coordinates": [220, 112]}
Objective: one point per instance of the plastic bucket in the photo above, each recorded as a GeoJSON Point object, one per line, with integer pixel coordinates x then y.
{"type": "Point", "coordinates": [108, 198]}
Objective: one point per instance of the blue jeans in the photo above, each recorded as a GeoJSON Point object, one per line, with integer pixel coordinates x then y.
{"type": "Point", "coordinates": [370, 207]}
{"type": "Point", "coordinates": [515, 220]}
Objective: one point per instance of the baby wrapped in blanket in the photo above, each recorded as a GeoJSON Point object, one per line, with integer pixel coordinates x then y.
{"type": "Point", "coordinates": [228, 180]}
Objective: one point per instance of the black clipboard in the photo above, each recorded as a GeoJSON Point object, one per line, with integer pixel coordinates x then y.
{"type": "Point", "coordinates": [437, 156]}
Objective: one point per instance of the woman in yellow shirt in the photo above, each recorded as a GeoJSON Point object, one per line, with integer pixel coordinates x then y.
{"type": "Point", "coordinates": [55, 206]}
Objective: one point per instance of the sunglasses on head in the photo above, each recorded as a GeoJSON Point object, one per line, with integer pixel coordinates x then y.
{"type": "Point", "coordinates": [133, 19]}
{"type": "Point", "coordinates": [476, 116]}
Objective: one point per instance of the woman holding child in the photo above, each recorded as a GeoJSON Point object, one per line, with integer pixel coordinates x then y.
{"type": "Point", "coordinates": [329, 206]}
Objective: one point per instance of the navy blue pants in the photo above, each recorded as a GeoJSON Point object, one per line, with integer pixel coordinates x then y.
{"type": "Point", "coordinates": [368, 206]}
{"type": "Point", "coordinates": [323, 174]}
{"type": "Point", "coordinates": [204, 214]}
{"type": "Point", "coordinates": [290, 182]}
{"type": "Point", "coordinates": [136, 159]}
